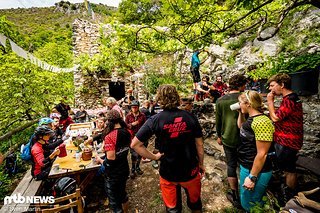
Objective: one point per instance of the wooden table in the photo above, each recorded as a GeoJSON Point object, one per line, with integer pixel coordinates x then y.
{"type": "Point", "coordinates": [70, 167]}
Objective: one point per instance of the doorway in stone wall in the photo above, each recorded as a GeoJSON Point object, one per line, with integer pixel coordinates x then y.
{"type": "Point", "coordinates": [117, 90]}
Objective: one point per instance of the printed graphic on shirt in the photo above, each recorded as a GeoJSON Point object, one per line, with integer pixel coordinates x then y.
{"type": "Point", "coordinates": [176, 128]}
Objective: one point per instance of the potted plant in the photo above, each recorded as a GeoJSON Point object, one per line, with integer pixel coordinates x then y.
{"type": "Point", "coordinates": [303, 70]}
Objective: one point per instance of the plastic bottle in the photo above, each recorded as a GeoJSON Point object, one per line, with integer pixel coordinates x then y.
{"type": "Point", "coordinates": [78, 156]}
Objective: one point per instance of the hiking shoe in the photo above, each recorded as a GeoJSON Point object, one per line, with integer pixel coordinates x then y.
{"type": "Point", "coordinates": [138, 171]}
{"type": "Point", "coordinates": [155, 164]}
{"type": "Point", "coordinates": [235, 202]}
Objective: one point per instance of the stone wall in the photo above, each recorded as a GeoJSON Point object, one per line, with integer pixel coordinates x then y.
{"type": "Point", "coordinates": [90, 89]}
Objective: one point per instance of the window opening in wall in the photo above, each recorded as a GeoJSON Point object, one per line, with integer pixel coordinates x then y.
{"type": "Point", "coordinates": [117, 90]}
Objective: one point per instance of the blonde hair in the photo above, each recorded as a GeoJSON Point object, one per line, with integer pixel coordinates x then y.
{"type": "Point", "coordinates": [253, 98]}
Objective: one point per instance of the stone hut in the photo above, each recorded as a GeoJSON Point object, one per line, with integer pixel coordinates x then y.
{"type": "Point", "coordinates": [91, 88]}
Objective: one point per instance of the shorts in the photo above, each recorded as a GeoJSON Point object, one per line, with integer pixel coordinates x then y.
{"type": "Point", "coordinates": [116, 191]}
{"type": "Point", "coordinates": [171, 194]}
{"type": "Point", "coordinates": [286, 158]}
{"type": "Point", "coordinates": [232, 160]}
{"type": "Point", "coordinates": [250, 198]}
{"type": "Point", "coordinates": [195, 74]}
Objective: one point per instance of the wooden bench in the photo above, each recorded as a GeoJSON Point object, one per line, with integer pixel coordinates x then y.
{"type": "Point", "coordinates": [27, 187]}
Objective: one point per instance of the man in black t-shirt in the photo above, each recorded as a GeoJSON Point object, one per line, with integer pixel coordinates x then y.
{"type": "Point", "coordinates": [180, 150]}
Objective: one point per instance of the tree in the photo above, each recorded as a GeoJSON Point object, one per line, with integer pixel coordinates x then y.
{"type": "Point", "coordinates": [199, 23]}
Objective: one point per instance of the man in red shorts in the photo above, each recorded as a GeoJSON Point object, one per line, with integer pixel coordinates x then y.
{"type": "Point", "coordinates": [181, 146]}
{"type": "Point", "coordinates": [288, 135]}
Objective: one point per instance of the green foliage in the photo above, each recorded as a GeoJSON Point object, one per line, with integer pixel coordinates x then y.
{"type": "Point", "coordinates": [139, 11]}
{"type": "Point", "coordinates": [285, 64]}
{"type": "Point", "coordinates": [269, 205]}
{"type": "Point", "coordinates": [5, 186]}
{"type": "Point", "coordinates": [238, 43]}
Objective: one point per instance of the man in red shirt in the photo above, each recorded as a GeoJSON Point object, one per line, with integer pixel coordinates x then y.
{"type": "Point", "coordinates": [135, 119]}
{"type": "Point", "coordinates": [181, 146]}
{"type": "Point", "coordinates": [288, 119]}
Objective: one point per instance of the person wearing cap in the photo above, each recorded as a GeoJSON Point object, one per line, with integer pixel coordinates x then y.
{"type": "Point", "coordinates": [116, 147]}
{"type": "Point", "coordinates": [181, 152]}
{"type": "Point", "coordinates": [135, 119]}
{"type": "Point", "coordinates": [55, 125]}
{"type": "Point", "coordinates": [41, 163]}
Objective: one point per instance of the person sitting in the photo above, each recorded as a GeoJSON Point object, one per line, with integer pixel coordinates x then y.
{"type": "Point", "coordinates": [219, 88]}
{"type": "Point", "coordinates": [41, 164]}
{"type": "Point", "coordinates": [97, 136]}
{"type": "Point", "coordinates": [55, 125]}
{"type": "Point", "coordinates": [203, 88]}
{"type": "Point", "coordinates": [81, 115]}
{"type": "Point", "coordinates": [63, 109]}
{"type": "Point", "coordinates": [256, 135]}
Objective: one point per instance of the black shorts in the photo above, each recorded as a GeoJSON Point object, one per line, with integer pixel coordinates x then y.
{"type": "Point", "coordinates": [195, 74]}
{"type": "Point", "coordinates": [286, 158]}
{"type": "Point", "coordinates": [232, 160]}
{"type": "Point", "coordinates": [116, 191]}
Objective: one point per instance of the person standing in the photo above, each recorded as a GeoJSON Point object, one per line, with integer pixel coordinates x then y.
{"type": "Point", "coordinates": [111, 103]}
{"type": "Point", "coordinates": [181, 151]}
{"type": "Point", "coordinates": [81, 115]}
{"type": "Point", "coordinates": [126, 101]}
{"type": "Point", "coordinates": [135, 119]}
{"type": "Point", "coordinates": [228, 133]}
{"type": "Point", "coordinates": [195, 67]}
{"type": "Point", "coordinates": [145, 109]}
{"type": "Point", "coordinates": [288, 134]}
{"type": "Point", "coordinates": [256, 133]}
{"type": "Point", "coordinates": [116, 147]}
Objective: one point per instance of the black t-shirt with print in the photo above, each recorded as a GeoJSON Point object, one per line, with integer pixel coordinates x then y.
{"type": "Point", "coordinates": [255, 128]}
{"type": "Point", "coordinates": [119, 141]}
{"type": "Point", "coordinates": [175, 131]}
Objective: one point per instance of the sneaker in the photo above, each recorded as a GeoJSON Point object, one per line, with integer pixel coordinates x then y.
{"type": "Point", "coordinates": [155, 164]}
{"type": "Point", "coordinates": [235, 203]}
{"type": "Point", "coordinates": [138, 171]}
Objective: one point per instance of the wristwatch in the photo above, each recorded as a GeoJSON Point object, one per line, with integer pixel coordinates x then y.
{"type": "Point", "coordinates": [253, 178]}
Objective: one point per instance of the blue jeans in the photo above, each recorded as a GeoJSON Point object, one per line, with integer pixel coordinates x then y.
{"type": "Point", "coordinates": [250, 198]}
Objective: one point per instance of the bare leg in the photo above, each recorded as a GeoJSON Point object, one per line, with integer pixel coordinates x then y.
{"type": "Point", "coordinates": [291, 179]}
{"type": "Point", "coordinates": [125, 207]}
{"type": "Point", "coordinates": [233, 182]}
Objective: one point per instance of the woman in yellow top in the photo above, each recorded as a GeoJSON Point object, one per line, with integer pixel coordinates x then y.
{"type": "Point", "coordinates": [256, 135]}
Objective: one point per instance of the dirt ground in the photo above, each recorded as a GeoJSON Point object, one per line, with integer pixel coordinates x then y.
{"type": "Point", "coordinates": [145, 196]}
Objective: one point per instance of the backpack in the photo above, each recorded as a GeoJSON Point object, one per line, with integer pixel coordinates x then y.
{"type": "Point", "coordinates": [11, 164]}
{"type": "Point", "coordinates": [26, 150]}
{"type": "Point", "coordinates": [64, 186]}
